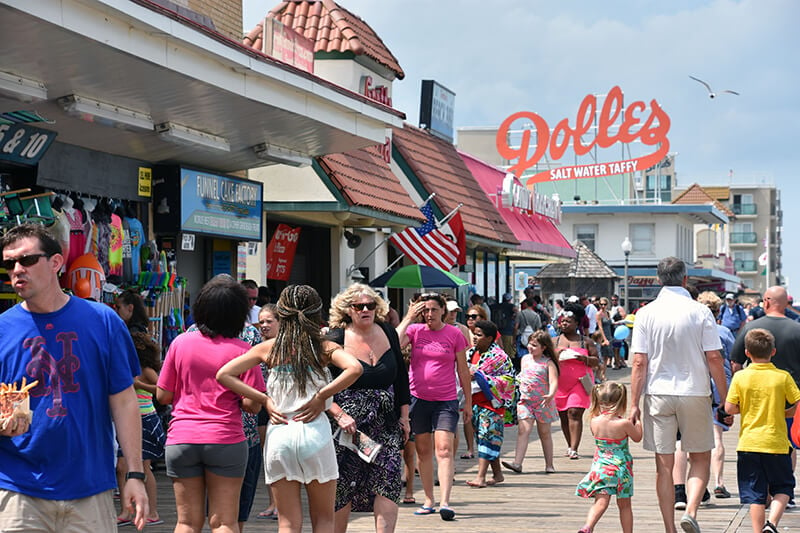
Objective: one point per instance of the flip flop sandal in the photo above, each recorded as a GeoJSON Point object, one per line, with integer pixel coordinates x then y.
{"type": "Point", "coordinates": [447, 514]}
{"type": "Point", "coordinates": [154, 521]}
{"type": "Point", "coordinates": [266, 514]}
{"type": "Point", "coordinates": [409, 501]}
{"type": "Point", "coordinates": [121, 522]}
{"type": "Point", "coordinates": [475, 485]}
{"type": "Point", "coordinates": [468, 456]}
{"type": "Point", "coordinates": [425, 511]}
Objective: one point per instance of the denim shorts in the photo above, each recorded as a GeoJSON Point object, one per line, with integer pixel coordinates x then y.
{"type": "Point", "coordinates": [428, 416]}
{"type": "Point", "coordinates": [759, 473]}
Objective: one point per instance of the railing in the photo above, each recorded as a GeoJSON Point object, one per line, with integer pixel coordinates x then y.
{"type": "Point", "coordinates": [745, 265]}
{"type": "Point", "coordinates": [745, 209]}
{"type": "Point", "coordinates": [744, 237]}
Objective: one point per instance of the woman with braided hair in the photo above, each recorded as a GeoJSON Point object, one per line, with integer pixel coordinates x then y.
{"type": "Point", "coordinates": [299, 446]}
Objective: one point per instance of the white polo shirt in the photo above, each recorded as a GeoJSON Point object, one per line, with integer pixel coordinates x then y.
{"type": "Point", "coordinates": [675, 332]}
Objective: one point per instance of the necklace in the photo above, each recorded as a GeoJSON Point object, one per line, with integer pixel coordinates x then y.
{"type": "Point", "coordinates": [371, 356]}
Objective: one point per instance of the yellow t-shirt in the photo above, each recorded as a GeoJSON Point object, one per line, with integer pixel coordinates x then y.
{"type": "Point", "coordinates": [762, 392]}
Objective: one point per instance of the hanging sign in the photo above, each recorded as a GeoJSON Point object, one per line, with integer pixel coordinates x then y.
{"type": "Point", "coordinates": [24, 144]}
{"type": "Point", "coordinates": [652, 132]}
{"type": "Point", "coordinates": [280, 252]}
{"type": "Point", "coordinates": [145, 187]}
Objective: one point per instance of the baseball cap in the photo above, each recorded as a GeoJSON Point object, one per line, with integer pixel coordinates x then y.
{"type": "Point", "coordinates": [507, 297]}
{"type": "Point", "coordinates": [452, 305]}
{"type": "Point", "coordinates": [573, 299]}
{"type": "Point", "coordinates": [729, 296]}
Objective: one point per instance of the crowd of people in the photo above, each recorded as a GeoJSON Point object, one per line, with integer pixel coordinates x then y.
{"type": "Point", "coordinates": [350, 407]}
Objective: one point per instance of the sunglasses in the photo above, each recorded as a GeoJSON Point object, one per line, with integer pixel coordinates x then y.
{"type": "Point", "coordinates": [361, 307]}
{"type": "Point", "coordinates": [25, 260]}
{"type": "Point", "coordinates": [473, 317]}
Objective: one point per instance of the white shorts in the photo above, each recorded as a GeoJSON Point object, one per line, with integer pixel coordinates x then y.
{"type": "Point", "coordinates": [665, 415]}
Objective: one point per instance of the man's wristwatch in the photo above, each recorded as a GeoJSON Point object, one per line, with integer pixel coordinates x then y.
{"type": "Point", "coordinates": [135, 475]}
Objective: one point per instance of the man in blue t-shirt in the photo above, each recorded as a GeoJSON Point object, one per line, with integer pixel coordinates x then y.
{"type": "Point", "coordinates": [731, 314]}
{"type": "Point", "coordinates": [83, 360]}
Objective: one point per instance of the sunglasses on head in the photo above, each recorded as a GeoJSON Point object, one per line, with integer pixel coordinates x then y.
{"type": "Point", "coordinates": [473, 317]}
{"type": "Point", "coordinates": [25, 260]}
{"type": "Point", "coordinates": [361, 307]}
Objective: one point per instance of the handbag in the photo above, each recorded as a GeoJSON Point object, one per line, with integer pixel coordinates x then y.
{"type": "Point", "coordinates": [587, 382]}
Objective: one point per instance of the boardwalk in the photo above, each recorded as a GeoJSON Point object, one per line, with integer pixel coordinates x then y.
{"type": "Point", "coordinates": [533, 501]}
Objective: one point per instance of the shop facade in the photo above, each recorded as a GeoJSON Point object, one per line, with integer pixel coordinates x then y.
{"type": "Point", "coordinates": [141, 110]}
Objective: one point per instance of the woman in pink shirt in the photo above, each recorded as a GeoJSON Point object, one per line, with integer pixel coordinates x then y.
{"type": "Point", "coordinates": [436, 349]}
{"type": "Point", "coordinates": [206, 451]}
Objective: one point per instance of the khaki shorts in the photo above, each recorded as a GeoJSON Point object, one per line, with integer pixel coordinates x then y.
{"type": "Point", "coordinates": [664, 416]}
{"type": "Point", "coordinates": [19, 512]}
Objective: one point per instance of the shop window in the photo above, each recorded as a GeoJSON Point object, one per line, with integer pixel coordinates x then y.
{"type": "Point", "coordinates": [643, 237]}
{"type": "Point", "coordinates": [587, 234]}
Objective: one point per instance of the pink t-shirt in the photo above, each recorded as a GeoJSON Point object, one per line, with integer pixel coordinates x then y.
{"type": "Point", "coordinates": [431, 372]}
{"type": "Point", "coordinates": [203, 411]}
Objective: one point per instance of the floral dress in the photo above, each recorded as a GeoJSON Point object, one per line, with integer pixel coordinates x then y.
{"type": "Point", "coordinates": [611, 472]}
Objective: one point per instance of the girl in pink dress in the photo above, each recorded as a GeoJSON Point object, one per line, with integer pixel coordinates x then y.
{"type": "Point", "coordinates": [538, 382]}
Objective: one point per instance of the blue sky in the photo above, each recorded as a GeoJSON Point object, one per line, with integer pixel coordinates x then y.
{"type": "Point", "coordinates": [511, 55]}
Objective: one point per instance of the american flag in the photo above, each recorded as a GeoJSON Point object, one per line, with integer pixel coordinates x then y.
{"type": "Point", "coordinates": [427, 245]}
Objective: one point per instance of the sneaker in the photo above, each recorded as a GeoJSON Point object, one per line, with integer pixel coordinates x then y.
{"type": "Point", "coordinates": [790, 505]}
{"type": "Point", "coordinates": [722, 493]}
{"type": "Point", "coordinates": [706, 497]}
{"type": "Point", "coordinates": [680, 498]}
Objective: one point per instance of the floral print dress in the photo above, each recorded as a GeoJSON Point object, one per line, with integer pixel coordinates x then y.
{"type": "Point", "coordinates": [611, 472]}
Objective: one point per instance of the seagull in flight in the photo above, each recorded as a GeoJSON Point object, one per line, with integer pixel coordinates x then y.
{"type": "Point", "coordinates": [711, 93]}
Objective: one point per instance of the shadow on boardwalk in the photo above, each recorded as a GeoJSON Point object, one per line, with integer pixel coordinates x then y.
{"type": "Point", "coordinates": [533, 501]}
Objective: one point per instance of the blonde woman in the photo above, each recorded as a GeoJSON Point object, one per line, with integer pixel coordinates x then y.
{"type": "Point", "coordinates": [376, 404]}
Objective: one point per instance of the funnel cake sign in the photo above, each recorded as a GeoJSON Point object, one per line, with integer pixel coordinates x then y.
{"type": "Point", "coordinates": [649, 128]}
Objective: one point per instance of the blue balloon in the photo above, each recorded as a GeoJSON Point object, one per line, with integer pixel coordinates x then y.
{"type": "Point", "coordinates": [622, 332]}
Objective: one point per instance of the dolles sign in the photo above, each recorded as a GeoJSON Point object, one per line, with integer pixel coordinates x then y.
{"type": "Point", "coordinates": [650, 130]}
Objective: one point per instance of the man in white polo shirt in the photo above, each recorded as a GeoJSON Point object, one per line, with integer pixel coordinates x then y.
{"type": "Point", "coordinates": [676, 350]}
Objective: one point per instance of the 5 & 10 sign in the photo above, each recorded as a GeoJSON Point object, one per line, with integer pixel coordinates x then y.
{"type": "Point", "coordinates": [24, 144]}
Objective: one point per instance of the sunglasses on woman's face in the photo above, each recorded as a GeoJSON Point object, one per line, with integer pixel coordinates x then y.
{"type": "Point", "coordinates": [473, 317]}
{"type": "Point", "coordinates": [362, 307]}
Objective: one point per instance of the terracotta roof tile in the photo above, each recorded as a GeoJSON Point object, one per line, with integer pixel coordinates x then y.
{"type": "Point", "coordinates": [440, 169]}
{"type": "Point", "coordinates": [332, 28]}
{"type": "Point", "coordinates": [366, 180]}
{"type": "Point", "coordinates": [585, 265]}
{"type": "Point", "coordinates": [698, 195]}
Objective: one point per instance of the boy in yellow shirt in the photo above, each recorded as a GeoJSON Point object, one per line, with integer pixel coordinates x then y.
{"type": "Point", "coordinates": [760, 393]}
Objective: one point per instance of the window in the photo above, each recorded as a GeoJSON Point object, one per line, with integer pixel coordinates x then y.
{"type": "Point", "coordinates": [659, 186]}
{"type": "Point", "coordinates": [587, 234]}
{"type": "Point", "coordinates": [643, 237]}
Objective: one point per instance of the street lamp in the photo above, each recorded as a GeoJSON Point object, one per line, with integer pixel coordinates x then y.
{"type": "Point", "coordinates": [627, 246]}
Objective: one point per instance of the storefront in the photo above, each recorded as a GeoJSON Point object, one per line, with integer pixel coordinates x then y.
{"type": "Point", "coordinates": [532, 218]}
{"type": "Point", "coordinates": [141, 98]}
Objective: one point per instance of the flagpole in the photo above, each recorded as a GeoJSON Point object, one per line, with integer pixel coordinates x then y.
{"type": "Point", "coordinates": [450, 215]}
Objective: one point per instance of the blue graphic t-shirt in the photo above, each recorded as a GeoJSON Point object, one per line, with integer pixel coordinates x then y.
{"type": "Point", "coordinates": [81, 354]}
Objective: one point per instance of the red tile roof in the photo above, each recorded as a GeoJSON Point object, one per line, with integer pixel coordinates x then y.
{"type": "Point", "coordinates": [332, 28]}
{"type": "Point", "coordinates": [365, 180]}
{"type": "Point", "coordinates": [440, 169]}
{"type": "Point", "coordinates": [697, 195]}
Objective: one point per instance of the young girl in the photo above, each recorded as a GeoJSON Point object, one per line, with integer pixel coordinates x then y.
{"type": "Point", "coordinates": [153, 435]}
{"type": "Point", "coordinates": [299, 448]}
{"type": "Point", "coordinates": [612, 467]}
{"type": "Point", "coordinates": [538, 382]}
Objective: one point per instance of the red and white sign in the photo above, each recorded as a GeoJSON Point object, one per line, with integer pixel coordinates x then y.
{"type": "Point", "coordinates": [652, 132]}
{"type": "Point", "coordinates": [285, 44]}
{"type": "Point", "coordinates": [280, 252]}
{"type": "Point", "coordinates": [379, 93]}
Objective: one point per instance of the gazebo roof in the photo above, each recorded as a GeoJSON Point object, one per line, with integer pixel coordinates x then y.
{"type": "Point", "coordinates": [585, 265]}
